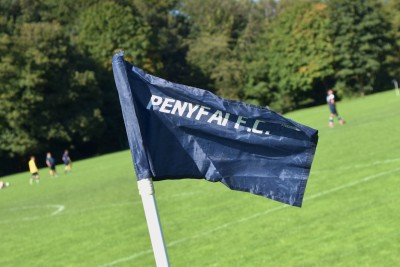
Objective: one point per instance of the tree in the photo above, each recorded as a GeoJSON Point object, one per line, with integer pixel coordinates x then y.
{"type": "Point", "coordinates": [392, 14]}
{"type": "Point", "coordinates": [252, 50]}
{"type": "Point", "coordinates": [169, 28]}
{"type": "Point", "coordinates": [108, 26]}
{"type": "Point", "coordinates": [358, 31]}
{"type": "Point", "coordinates": [45, 99]}
{"type": "Point", "coordinates": [220, 32]}
{"type": "Point", "coordinates": [299, 55]}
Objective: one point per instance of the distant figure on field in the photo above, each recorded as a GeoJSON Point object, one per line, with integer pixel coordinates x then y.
{"type": "Point", "coordinates": [4, 184]}
{"type": "Point", "coordinates": [33, 170]}
{"type": "Point", "coordinates": [67, 161]}
{"type": "Point", "coordinates": [51, 163]}
{"type": "Point", "coordinates": [330, 99]}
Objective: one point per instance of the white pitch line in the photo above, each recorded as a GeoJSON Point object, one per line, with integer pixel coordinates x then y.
{"type": "Point", "coordinates": [357, 166]}
{"type": "Point", "coordinates": [241, 220]}
{"type": "Point", "coordinates": [100, 207]}
{"type": "Point", "coordinates": [131, 203]}
{"type": "Point", "coordinates": [362, 180]}
{"type": "Point", "coordinates": [144, 252]}
{"type": "Point", "coordinates": [59, 208]}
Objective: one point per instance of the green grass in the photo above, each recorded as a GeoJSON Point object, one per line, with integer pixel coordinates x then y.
{"type": "Point", "coordinates": [350, 215]}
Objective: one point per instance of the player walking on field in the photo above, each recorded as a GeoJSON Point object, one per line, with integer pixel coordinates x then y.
{"type": "Point", "coordinates": [51, 163]}
{"type": "Point", "coordinates": [67, 161]}
{"type": "Point", "coordinates": [330, 99]}
{"type": "Point", "coordinates": [33, 170]}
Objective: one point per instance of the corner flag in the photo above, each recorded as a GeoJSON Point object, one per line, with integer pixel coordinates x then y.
{"type": "Point", "coordinates": [177, 131]}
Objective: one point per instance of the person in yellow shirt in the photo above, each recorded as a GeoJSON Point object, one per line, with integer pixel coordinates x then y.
{"type": "Point", "coordinates": [33, 170]}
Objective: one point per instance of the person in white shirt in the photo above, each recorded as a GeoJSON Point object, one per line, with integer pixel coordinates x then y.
{"type": "Point", "coordinates": [330, 99]}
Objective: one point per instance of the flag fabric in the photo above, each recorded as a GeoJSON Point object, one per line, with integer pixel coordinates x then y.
{"type": "Point", "coordinates": [177, 131]}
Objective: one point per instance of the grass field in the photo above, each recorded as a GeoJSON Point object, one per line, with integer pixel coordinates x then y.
{"type": "Point", "coordinates": [94, 216]}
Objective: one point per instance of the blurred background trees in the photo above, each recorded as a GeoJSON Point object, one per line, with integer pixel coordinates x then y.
{"type": "Point", "coordinates": [57, 89]}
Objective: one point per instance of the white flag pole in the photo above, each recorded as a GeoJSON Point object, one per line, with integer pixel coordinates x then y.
{"type": "Point", "coordinates": [146, 190]}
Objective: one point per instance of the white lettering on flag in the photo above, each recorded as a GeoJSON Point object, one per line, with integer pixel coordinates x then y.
{"type": "Point", "coordinates": [167, 104]}
{"type": "Point", "coordinates": [202, 112]}
{"type": "Point", "coordinates": [187, 109]}
{"type": "Point", "coordinates": [239, 121]}
{"type": "Point", "coordinates": [154, 101]}
{"type": "Point", "coordinates": [180, 107]}
{"type": "Point", "coordinates": [217, 116]}
{"type": "Point", "coordinates": [225, 121]}
{"type": "Point", "coordinates": [254, 129]}
{"type": "Point", "coordinates": [192, 108]}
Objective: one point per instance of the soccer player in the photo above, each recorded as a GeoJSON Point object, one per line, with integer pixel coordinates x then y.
{"type": "Point", "coordinates": [330, 99]}
{"type": "Point", "coordinates": [67, 161]}
{"type": "Point", "coordinates": [33, 170]}
{"type": "Point", "coordinates": [51, 163]}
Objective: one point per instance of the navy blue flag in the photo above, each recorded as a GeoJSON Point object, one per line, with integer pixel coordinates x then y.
{"type": "Point", "coordinates": [177, 131]}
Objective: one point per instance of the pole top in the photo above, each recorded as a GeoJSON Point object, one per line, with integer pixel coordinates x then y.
{"type": "Point", "coordinates": [146, 186]}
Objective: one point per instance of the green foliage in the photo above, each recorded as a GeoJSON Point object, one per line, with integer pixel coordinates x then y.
{"type": "Point", "coordinates": [226, 31]}
{"type": "Point", "coordinates": [57, 87]}
{"type": "Point", "coordinates": [168, 30]}
{"type": "Point", "coordinates": [44, 98]}
{"type": "Point", "coordinates": [107, 27]}
{"type": "Point", "coordinates": [392, 15]}
{"type": "Point", "coordinates": [349, 217]}
{"type": "Point", "coordinates": [252, 51]}
{"type": "Point", "coordinates": [224, 70]}
{"type": "Point", "coordinates": [360, 45]}
{"type": "Point", "coordinates": [300, 54]}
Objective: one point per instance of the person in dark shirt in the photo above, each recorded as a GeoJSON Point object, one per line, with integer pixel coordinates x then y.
{"type": "Point", "coordinates": [51, 163]}
{"type": "Point", "coordinates": [67, 161]}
